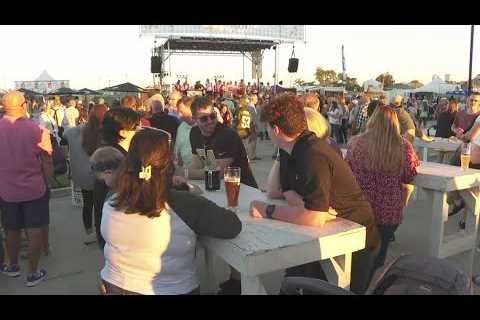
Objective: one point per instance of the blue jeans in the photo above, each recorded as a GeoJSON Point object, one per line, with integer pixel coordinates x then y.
{"type": "Point", "coordinates": [336, 133]}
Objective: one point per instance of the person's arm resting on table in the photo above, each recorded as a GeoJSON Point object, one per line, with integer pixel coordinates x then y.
{"type": "Point", "coordinates": [315, 209]}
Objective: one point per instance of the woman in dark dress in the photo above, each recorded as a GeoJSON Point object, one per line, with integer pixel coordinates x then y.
{"type": "Point", "coordinates": [445, 120]}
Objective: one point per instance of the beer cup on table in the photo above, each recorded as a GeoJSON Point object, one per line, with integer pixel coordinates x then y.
{"type": "Point", "coordinates": [465, 156]}
{"type": "Point", "coordinates": [232, 186]}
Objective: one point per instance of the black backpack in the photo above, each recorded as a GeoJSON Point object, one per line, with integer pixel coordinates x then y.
{"type": "Point", "coordinates": [423, 275]}
{"type": "Point", "coordinates": [406, 275]}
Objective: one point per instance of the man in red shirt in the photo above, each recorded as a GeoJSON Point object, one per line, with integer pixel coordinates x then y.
{"type": "Point", "coordinates": [24, 193]}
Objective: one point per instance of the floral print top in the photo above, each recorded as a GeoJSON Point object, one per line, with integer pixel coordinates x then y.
{"type": "Point", "coordinates": [383, 190]}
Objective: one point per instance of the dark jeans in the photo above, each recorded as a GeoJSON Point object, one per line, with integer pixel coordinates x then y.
{"type": "Point", "coordinates": [2, 250]}
{"type": "Point", "coordinates": [336, 133]}
{"type": "Point", "coordinates": [100, 191]}
{"type": "Point", "coordinates": [362, 266]}
{"type": "Point", "coordinates": [386, 233]}
{"type": "Point", "coordinates": [87, 208]}
{"type": "Point", "coordinates": [344, 131]}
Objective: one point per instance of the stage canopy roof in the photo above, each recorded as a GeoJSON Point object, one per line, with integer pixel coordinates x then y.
{"type": "Point", "coordinates": [217, 44]}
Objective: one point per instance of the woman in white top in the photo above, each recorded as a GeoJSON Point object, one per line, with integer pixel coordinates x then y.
{"type": "Point", "coordinates": [150, 229]}
{"type": "Point", "coordinates": [47, 119]}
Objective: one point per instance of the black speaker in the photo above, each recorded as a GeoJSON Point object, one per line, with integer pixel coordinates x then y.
{"type": "Point", "coordinates": [156, 64]}
{"type": "Point", "coordinates": [292, 65]}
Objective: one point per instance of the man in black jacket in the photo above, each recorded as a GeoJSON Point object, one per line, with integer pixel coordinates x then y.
{"type": "Point", "coordinates": [162, 120]}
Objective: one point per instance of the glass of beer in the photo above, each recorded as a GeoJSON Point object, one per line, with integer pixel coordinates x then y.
{"type": "Point", "coordinates": [232, 186]}
{"type": "Point", "coordinates": [465, 156]}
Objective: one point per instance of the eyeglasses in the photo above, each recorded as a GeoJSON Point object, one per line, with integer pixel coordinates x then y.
{"type": "Point", "coordinates": [212, 116]}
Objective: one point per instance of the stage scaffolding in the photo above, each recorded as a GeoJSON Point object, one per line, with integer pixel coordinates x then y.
{"type": "Point", "coordinates": [202, 46]}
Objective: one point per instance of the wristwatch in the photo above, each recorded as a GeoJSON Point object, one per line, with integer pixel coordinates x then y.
{"type": "Point", "coordinates": [269, 211]}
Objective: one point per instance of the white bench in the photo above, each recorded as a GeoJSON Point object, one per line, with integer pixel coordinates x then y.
{"type": "Point", "coordinates": [425, 217]}
{"type": "Point", "coordinates": [442, 145]}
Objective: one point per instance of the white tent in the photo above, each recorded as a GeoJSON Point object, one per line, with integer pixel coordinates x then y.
{"type": "Point", "coordinates": [437, 86]}
{"type": "Point", "coordinates": [372, 83]}
{"type": "Point", "coordinates": [44, 76]}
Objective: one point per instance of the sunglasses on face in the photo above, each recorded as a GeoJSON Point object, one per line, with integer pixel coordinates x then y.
{"type": "Point", "coordinates": [212, 116]}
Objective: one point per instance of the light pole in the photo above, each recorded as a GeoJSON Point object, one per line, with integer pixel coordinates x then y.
{"type": "Point", "coordinates": [470, 65]}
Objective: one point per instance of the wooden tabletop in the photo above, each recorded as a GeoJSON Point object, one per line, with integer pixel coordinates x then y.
{"type": "Point", "coordinates": [444, 177]}
{"type": "Point", "coordinates": [266, 245]}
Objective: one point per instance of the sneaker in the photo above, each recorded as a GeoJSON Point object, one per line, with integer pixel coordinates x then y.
{"type": "Point", "coordinates": [35, 278]}
{"type": "Point", "coordinates": [12, 271]}
{"type": "Point", "coordinates": [90, 238]}
{"type": "Point", "coordinates": [230, 287]}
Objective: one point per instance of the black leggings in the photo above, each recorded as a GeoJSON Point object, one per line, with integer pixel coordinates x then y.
{"type": "Point", "coordinates": [87, 208]}
{"type": "Point", "coordinates": [386, 233]}
{"type": "Point", "coordinates": [100, 191]}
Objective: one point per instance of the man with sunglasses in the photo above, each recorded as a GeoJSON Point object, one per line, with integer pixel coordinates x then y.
{"type": "Point", "coordinates": [224, 141]}
{"type": "Point", "coordinates": [228, 149]}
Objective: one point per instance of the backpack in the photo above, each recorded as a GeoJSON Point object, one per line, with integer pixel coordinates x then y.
{"type": "Point", "coordinates": [423, 275]}
{"type": "Point", "coordinates": [244, 119]}
{"type": "Point", "coordinates": [406, 275]}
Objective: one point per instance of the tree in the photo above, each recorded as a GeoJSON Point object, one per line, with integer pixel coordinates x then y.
{"type": "Point", "coordinates": [299, 82]}
{"type": "Point", "coordinates": [415, 84]}
{"type": "Point", "coordinates": [386, 79]}
{"type": "Point", "coordinates": [350, 84]}
{"type": "Point", "coordinates": [326, 77]}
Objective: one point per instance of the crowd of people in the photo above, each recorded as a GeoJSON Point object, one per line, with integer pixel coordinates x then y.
{"type": "Point", "coordinates": [133, 161]}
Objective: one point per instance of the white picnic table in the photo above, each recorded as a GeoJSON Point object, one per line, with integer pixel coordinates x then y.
{"type": "Point", "coordinates": [266, 245]}
{"type": "Point", "coordinates": [435, 180]}
{"type": "Point", "coordinates": [442, 145]}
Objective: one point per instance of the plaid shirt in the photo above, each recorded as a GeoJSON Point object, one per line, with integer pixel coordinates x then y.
{"type": "Point", "coordinates": [362, 118]}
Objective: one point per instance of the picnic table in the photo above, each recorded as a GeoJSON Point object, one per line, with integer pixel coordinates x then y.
{"type": "Point", "coordinates": [443, 146]}
{"type": "Point", "coordinates": [266, 245]}
{"type": "Point", "coordinates": [431, 210]}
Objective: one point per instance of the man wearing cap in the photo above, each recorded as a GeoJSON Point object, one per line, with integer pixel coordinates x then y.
{"type": "Point", "coordinates": [24, 193]}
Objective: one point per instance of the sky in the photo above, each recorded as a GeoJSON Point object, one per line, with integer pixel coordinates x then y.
{"type": "Point", "coordinates": [100, 56]}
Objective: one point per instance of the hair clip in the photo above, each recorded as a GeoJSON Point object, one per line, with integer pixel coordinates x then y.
{"type": "Point", "coordinates": [146, 173]}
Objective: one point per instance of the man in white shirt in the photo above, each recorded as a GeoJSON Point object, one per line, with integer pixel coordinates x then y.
{"type": "Point", "coordinates": [183, 148]}
{"type": "Point", "coordinates": [71, 115]}
{"type": "Point", "coordinates": [58, 111]}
